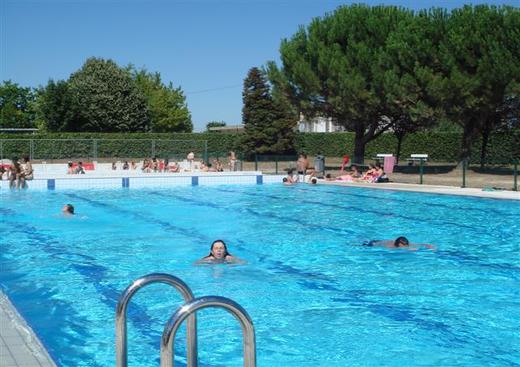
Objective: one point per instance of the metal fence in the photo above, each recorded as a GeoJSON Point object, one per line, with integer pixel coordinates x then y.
{"type": "Point", "coordinates": [489, 176]}
{"type": "Point", "coordinates": [101, 149]}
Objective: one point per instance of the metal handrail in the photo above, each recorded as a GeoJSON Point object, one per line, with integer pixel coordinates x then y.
{"type": "Point", "coordinates": [121, 311]}
{"type": "Point", "coordinates": [189, 308]}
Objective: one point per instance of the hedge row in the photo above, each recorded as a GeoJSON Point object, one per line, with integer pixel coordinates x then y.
{"type": "Point", "coordinates": [105, 145]}
{"type": "Point", "coordinates": [443, 147]}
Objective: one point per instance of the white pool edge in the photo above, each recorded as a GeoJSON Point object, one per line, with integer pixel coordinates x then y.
{"type": "Point", "coordinates": [22, 346]}
{"type": "Point", "coordinates": [431, 189]}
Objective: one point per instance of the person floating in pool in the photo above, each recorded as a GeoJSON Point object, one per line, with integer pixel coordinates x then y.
{"type": "Point", "coordinates": [399, 242]}
{"type": "Point", "coordinates": [219, 254]}
{"type": "Point", "coordinates": [67, 210]}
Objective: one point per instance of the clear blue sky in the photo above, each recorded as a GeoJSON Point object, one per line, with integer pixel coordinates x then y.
{"type": "Point", "coordinates": [204, 46]}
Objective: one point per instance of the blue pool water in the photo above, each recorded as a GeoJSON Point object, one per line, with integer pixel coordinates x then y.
{"type": "Point", "coordinates": [316, 297]}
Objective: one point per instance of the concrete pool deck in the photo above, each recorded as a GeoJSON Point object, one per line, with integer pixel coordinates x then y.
{"type": "Point", "coordinates": [19, 345]}
{"type": "Point", "coordinates": [431, 189]}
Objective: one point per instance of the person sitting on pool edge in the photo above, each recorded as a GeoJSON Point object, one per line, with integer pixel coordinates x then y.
{"type": "Point", "coordinates": [399, 242]}
{"type": "Point", "coordinates": [290, 179]}
{"type": "Point", "coordinates": [219, 254]}
{"type": "Point", "coordinates": [67, 210]}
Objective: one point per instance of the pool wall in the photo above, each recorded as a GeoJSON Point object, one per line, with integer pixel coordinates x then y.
{"type": "Point", "coordinates": [144, 181]}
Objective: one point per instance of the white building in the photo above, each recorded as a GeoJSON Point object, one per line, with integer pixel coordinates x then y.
{"type": "Point", "coordinates": [318, 125]}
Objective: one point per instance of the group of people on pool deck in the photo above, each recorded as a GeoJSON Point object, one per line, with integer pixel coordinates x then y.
{"type": "Point", "coordinates": [375, 173]}
{"type": "Point", "coordinates": [18, 173]}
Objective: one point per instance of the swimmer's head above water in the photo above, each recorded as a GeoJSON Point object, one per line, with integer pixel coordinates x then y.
{"type": "Point", "coordinates": [68, 209]}
{"type": "Point", "coordinates": [401, 241]}
{"type": "Point", "coordinates": [218, 250]}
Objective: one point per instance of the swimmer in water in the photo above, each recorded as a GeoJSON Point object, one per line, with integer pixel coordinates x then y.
{"type": "Point", "coordinates": [219, 255]}
{"type": "Point", "coordinates": [399, 242]}
{"type": "Point", "coordinates": [67, 210]}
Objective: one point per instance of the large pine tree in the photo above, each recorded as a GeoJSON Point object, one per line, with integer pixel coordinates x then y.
{"type": "Point", "coordinates": [269, 128]}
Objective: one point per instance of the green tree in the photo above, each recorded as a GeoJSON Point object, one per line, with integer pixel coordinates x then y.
{"type": "Point", "coordinates": [481, 61]}
{"type": "Point", "coordinates": [411, 73]}
{"type": "Point", "coordinates": [257, 112]}
{"type": "Point", "coordinates": [16, 106]}
{"type": "Point", "coordinates": [55, 108]}
{"type": "Point", "coordinates": [268, 123]}
{"type": "Point", "coordinates": [107, 99]}
{"type": "Point", "coordinates": [167, 105]}
{"type": "Point", "coordinates": [336, 68]}
{"type": "Point", "coordinates": [214, 124]}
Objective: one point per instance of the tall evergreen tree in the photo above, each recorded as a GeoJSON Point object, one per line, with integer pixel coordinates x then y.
{"type": "Point", "coordinates": [267, 124]}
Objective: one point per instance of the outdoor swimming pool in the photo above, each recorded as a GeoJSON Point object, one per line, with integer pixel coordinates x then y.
{"type": "Point", "coordinates": [316, 297]}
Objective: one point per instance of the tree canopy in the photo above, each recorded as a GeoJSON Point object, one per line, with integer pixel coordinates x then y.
{"type": "Point", "coordinates": [378, 68]}
{"type": "Point", "coordinates": [103, 97]}
{"type": "Point", "coordinates": [16, 106]}
{"type": "Point", "coordinates": [106, 99]}
{"type": "Point", "coordinates": [166, 104]}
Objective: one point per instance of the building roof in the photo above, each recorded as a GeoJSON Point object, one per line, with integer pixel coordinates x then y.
{"type": "Point", "coordinates": [228, 129]}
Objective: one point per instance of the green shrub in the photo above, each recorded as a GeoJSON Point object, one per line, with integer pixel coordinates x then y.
{"type": "Point", "coordinates": [442, 147]}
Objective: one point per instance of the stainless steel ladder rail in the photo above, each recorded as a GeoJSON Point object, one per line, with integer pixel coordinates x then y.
{"type": "Point", "coordinates": [190, 308]}
{"type": "Point", "coordinates": [121, 311]}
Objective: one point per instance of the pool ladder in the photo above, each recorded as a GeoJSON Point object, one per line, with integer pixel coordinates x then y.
{"type": "Point", "coordinates": [185, 312]}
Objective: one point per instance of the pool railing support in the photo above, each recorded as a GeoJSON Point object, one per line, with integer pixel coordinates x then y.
{"type": "Point", "coordinates": [121, 316]}
{"type": "Point", "coordinates": [463, 173]}
{"type": "Point", "coordinates": [421, 171]}
{"type": "Point", "coordinates": [189, 309]}
{"type": "Point", "coordinates": [515, 176]}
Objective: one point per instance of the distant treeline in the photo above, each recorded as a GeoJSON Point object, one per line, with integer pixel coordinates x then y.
{"type": "Point", "coordinates": [100, 97]}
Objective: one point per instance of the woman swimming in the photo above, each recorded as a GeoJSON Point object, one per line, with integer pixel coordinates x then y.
{"type": "Point", "coordinates": [219, 254]}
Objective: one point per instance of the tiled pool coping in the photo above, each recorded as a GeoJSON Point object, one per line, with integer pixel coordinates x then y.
{"type": "Point", "coordinates": [152, 180]}
{"type": "Point", "coordinates": [19, 345]}
{"type": "Point", "coordinates": [431, 189]}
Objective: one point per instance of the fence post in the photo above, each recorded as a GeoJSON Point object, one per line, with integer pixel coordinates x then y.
{"type": "Point", "coordinates": [276, 163]}
{"type": "Point", "coordinates": [1, 149]}
{"type": "Point", "coordinates": [153, 148]}
{"type": "Point", "coordinates": [94, 150]}
{"type": "Point", "coordinates": [324, 174]}
{"type": "Point", "coordinates": [515, 176]}
{"type": "Point", "coordinates": [421, 171]}
{"type": "Point", "coordinates": [206, 151]}
{"type": "Point", "coordinates": [463, 173]}
{"type": "Point", "coordinates": [31, 149]}
{"type": "Point", "coordinates": [256, 162]}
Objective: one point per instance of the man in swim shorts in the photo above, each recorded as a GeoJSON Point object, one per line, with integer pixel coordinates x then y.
{"type": "Point", "coordinates": [399, 242]}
